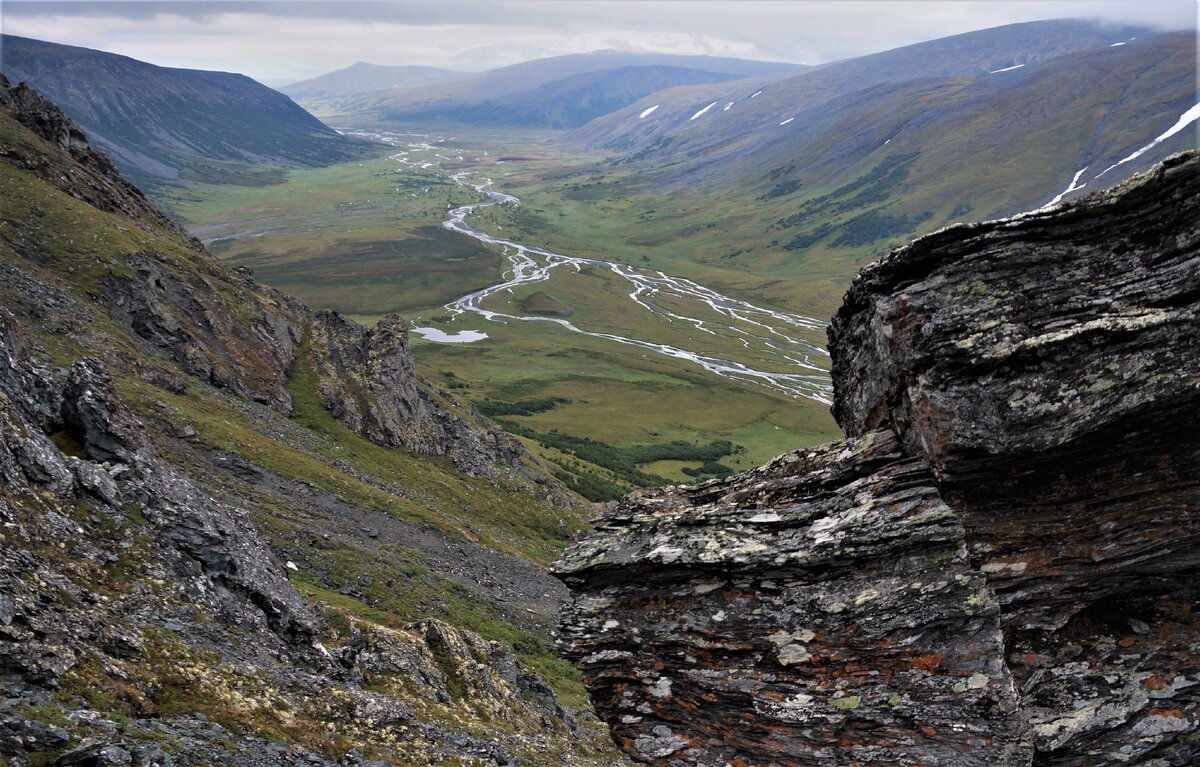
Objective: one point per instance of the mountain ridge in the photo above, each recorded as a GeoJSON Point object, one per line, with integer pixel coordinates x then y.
{"type": "Point", "coordinates": [160, 122]}
{"type": "Point", "coordinates": [365, 77]}
{"type": "Point", "coordinates": [505, 92]}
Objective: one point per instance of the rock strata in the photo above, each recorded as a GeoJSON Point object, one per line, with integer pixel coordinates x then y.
{"type": "Point", "coordinates": [998, 567]}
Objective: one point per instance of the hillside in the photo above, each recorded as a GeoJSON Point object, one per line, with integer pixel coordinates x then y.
{"type": "Point", "coordinates": [240, 531]}
{"type": "Point", "coordinates": [572, 101]}
{"type": "Point", "coordinates": [783, 194]}
{"type": "Point", "coordinates": [161, 124]}
{"type": "Point", "coordinates": [364, 77]}
{"type": "Point", "coordinates": [970, 55]}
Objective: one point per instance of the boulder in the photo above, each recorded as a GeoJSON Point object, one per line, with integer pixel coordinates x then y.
{"type": "Point", "coordinates": [999, 567]}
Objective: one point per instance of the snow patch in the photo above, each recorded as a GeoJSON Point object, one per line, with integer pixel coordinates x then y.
{"type": "Point", "coordinates": [1186, 119]}
{"type": "Point", "coordinates": [1114, 45]}
{"type": "Point", "coordinates": [785, 122]}
{"type": "Point", "coordinates": [646, 112]}
{"type": "Point", "coordinates": [752, 95]}
{"type": "Point", "coordinates": [726, 109]}
{"type": "Point", "coordinates": [1006, 69]}
{"type": "Point", "coordinates": [442, 337]}
{"type": "Point", "coordinates": [702, 111]}
{"type": "Point", "coordinates": [1070, 188]}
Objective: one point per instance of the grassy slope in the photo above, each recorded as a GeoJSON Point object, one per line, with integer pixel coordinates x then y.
{"type": "Point", "coordinates": [74, 246]}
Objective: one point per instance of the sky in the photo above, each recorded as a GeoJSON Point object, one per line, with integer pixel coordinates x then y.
{"type": "Point", "coordinates": [278, 42]}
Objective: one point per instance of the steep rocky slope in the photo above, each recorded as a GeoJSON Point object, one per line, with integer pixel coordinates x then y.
{"type": "Point", "coordinates": [998, 567]}
{"type": "Point", "coordinates": [203, 560]}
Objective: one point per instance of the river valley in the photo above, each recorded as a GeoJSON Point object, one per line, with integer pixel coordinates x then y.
{"type": "Point", "coordinates": [683, 320]}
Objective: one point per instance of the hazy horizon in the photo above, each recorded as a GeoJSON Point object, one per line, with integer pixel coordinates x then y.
{"type": "Point", "coordinates": [286, 42]}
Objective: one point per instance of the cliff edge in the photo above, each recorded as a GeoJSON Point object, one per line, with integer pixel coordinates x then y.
{"type": "Point", "coordinates": [997, 567]}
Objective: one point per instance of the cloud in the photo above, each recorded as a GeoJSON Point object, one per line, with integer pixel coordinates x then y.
{"type": "Point", "coordinates": [293, 40]}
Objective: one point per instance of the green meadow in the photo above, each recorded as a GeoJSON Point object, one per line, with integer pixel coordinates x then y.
{"type": "Point", "coordinates": [365, 238]}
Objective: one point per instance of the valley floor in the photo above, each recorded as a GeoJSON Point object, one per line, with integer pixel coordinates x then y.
{"type": "Point", "coordinates": [624, 403]}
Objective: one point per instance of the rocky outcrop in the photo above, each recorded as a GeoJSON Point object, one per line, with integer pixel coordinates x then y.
{"type": "Point", "coordinates": [117, 469]}
{"type": "Point", "coordinates": [220, 326]}
{"type": "Point", "coordinates": [368, 381]}
{"type": "Point", "coordinates": [1046, 367]}
{"type": "Point", "coordinates": [92, 177]}
{"type": "Point", "coordinates": [127, 589]}
{"type": "Point", "coordinates": [999, 567]}
{"type": "Point", "coordinates": [810, 607]}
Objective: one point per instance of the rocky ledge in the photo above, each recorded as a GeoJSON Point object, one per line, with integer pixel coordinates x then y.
{"type": "Point", "coordinates": [998, 566]}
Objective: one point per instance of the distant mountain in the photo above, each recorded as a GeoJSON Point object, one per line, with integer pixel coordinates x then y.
{"type": "Point", "coordinates": [576, 100]}
{"type": "Point", "coordinates": [962, 108]}
{"type": "Point", "coordinates": [1007, 48]}
{"type": "Point", "coordinates": [533, 74]}
{"type": "Point", "coordinates": [798, 180]}
{"type": "Point", "coordinates": [158, 123]}
{"type": "Point", "coordinates": [501, 96]}
{"type": "Point", "coordinates": [365, 78]}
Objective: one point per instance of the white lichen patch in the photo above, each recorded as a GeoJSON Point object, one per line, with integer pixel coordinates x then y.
{"type": "Point", "coordinates": [1000, 567]}
{"type": "Point", "coordinates": [791, 646]}
{"type": "Point", "coordinates": [1138, 319]}
{"type": "Point", "coordinates": [794, 708]}
{"type": "Point", "coordinates": [665, 554]}
{"type": "Point", "coordinates": [866, 595]}
{"type": "Point", "coordinates": [661, 687]}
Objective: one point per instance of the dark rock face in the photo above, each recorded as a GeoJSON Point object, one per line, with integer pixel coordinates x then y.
{"type": "Point", "coordinates": [1026, 334]}
{"type": "Point", "coordinates": [221, 327]}
{"type": "Point", "coordinates": [1047, 368]}
{"type": "Point", "coordinates": [1000, 567]}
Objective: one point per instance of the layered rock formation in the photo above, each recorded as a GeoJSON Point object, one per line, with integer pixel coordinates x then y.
{"type": "Point", "coordinates": [368, 381]}
{"type": "Point", "coordinates": [998, 567]}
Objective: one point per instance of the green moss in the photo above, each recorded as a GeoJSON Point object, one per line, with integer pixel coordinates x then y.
{"type": "Point", "coordinates": [848, 703]}
{"type": "Point", "coordinates": [134, 512]}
